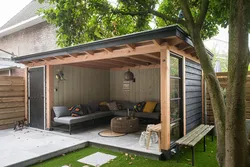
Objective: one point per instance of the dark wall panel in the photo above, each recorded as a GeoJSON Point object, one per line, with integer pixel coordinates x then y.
{"type": "Point", "coordinates": [193, 95]}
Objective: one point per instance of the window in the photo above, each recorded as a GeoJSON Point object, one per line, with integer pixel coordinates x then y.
{"type": "Point", "coordinates": [175, 97]}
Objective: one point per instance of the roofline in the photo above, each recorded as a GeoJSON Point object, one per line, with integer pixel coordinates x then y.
{"type": "Point", "coordinates": [22, 25]}
{"type": "Point", "coordinates": [165, 32]}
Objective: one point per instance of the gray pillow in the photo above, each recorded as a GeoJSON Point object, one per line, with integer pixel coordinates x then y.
{"type": "Point", "coordinates": [61, 111]}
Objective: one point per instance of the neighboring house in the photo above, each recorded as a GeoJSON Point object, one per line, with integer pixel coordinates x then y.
{"type": "Point", "coordinates": [8, 67]}
{"type": "Point", "coordinates": [27, 32]}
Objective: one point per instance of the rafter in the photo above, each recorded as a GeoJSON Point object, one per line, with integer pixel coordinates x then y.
{"type": "Point", "coordinates": [190, 50]}
{"type": "Point", "coordinates": [157, 42]}
{"type": "Point", "coordinates": [108, 49]}
{"type": "Point", "coordinates": [174, 41]}
{"type": "Point", "coordinates": [73, 55]}
{"type": "Point", "coordinates": [89, 52]}
{"type": "Point", "coordinates": [131, 46]}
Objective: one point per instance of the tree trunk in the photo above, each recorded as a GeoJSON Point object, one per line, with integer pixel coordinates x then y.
{"type": "Point", "coordinates": [236, 144]}
{"type": "Point", "coordinates": [217, 100]}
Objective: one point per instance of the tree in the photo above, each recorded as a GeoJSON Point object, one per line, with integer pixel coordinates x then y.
{"type": "Point", "coordinates": [201, 20]}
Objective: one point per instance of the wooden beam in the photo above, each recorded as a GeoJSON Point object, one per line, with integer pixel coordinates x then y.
{"type": "Point", "coordinates": [113, 62]}
{"type": "Point", "coordinates": [183, 46]}
{"type": "Point", "coordinates": [190, 50]}
{"type": "Point", "coordinates": [152, 56]}
{"type": "Point", "coordinates": [109, 63]}
{"type": "Point", "coordinates": [49, 94]}
{"type": "Point", "coordinates": [95, 63]}
{"type": "Point", "coordinates": [125, 62]}
{"type": "Point", "coordinates": [108, 49]}
{"type": "Point", "coordinates": [165, 99]}
{"type": "Point", "coordinates": [137, 62]}
{"type": "Point", "coordinates": [59, 57]}
{"type": "Point", "coordinates": [136, 67]}
{"type": "Point", "coordinates": [184, 94]}
{"type": "Point", "coordinates": [91, 66]}
{"type": "Point", "coordinates": [157, 42]}
{"type": "Point", "coordinates": [90, 52]}
{"type": "Point", "coordinates": [181, 52]}
{"type": "Point", "coordinates": [131, 46]}
{"type": "Point", "coordinates": [174, 41]}
{"type": "Point", "coordinates": [125, 52]}
{"type": "Point", "coordinates": [73, 55]}
{"type": "Point", "coordinates": [145, 59]}
{"type": "Point", "coordinates": [26, 93]}
{"type": "Point", "coordinates": [203, 97]}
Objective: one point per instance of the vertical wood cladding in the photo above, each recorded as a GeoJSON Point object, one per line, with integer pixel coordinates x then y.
{"type": "Point", "coordinates": [193, 95]}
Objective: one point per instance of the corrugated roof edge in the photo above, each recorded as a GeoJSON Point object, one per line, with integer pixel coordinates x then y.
{"type": "Point", "coordinates": [173, 30]}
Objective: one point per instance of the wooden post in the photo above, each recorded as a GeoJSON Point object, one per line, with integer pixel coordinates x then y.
{"type": "Point", "coordinates": [184, 94]}
{"type": "Point", "coordinates": [26, 93]}
{"type": "Point", "coordinates": [165, 99]}
{"type": "Point", "coordinates": [49, 93]}
{"type": "Point", "coordinates": [203, 100]}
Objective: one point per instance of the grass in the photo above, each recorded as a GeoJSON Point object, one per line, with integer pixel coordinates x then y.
{"type": "Point", "coordinates": [202, 159]}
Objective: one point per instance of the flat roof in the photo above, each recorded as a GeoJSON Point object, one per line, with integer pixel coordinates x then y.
{"type": "Point", "coordinates": [161, 33]}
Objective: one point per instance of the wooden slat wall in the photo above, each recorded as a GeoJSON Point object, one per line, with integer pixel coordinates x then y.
{"type": "Point", "coordinates": [193, 95]}
{"type": "Point", "coordinates": [145, 88]}
{"type": "Point", "coordinates": [11, 100]}
{"type": "Point", "coordinates": [222, 76]}
{"type": "Point", "coordinates": [81, 85]}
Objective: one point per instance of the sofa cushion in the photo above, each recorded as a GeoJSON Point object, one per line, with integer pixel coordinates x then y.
{"type": "Point", "coordinates": [72, 120]}
{"type": "Point", "coordinates": [157, 107]}
{"type": "Point", "coordinates": [149, 106]}
{"type": "Point", "coordinates": [102, 114]}
{"type": "Point", "coordinates": [121, 113]}
{"type": "Point", "coordinates": [94, 106]}
{"type": "Point", "coordinates": [61, 111]}
{"type": "Point", "coordinates": [139, 106]}
{"type": "Point", "coordinates": [112, 106]}
{"type": "Point", "coordinates": [78, 110]}
{"type": "Point", "coordinates": [126, 104]}
{"type": "Point", "coordinates": [147, 115]}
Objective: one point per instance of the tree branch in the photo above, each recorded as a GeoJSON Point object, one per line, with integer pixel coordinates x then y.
{"type": "Point", "coordinates": [150, 11]}
{"type": "Point", "coordinates": [203, 13]}
{"type": "Point", "coordinates": [187, 13]}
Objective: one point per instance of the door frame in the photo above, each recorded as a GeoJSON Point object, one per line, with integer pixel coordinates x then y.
{"type": "Point", "coordinates": [44, 92]}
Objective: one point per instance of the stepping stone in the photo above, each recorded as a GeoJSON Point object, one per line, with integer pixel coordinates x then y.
{"type": "Point", "coordinates": [97, 159]}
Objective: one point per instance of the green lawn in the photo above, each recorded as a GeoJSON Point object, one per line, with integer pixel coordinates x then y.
{"type": "Point", "coordinates": [202, 159]}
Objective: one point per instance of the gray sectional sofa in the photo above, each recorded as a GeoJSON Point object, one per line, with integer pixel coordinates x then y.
{"type": "Point", "coordinates": [62, 115]}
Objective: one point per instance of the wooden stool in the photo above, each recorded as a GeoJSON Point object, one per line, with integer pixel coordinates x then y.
{"type": "Point", "coordinates": [157, 129]}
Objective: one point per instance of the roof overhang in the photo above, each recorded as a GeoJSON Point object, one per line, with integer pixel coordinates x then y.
{"type": "Point", "coordinates": [172, 36]}
{"type": "Point", "coordinates": [22, 25]}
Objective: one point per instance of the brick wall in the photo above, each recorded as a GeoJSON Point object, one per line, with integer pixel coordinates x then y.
{"type": "Point", "coordinates": [38, 38]}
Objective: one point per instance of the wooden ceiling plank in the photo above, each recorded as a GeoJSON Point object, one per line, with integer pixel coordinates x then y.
{"type": "Point", "coordinates": [73, 55]}
{"type": "Point", "coordinates": [152, 56]}
{"type": "Point", "coordinates": [125, 62]}
{"type": "Point", "coordinates": [90, 66]}
{"type": "Point", "coordinates": [145, 59]}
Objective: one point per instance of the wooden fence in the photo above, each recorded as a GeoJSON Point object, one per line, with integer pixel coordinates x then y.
{"type": "Point", "coordinates": [11, 100]}
{"type": "Point", "coordinates": [222, 76]}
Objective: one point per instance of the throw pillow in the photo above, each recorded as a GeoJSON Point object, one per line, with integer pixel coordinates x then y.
{"type": "Point", "coordinates": [76, 111]}
{"type": "Point", "coordinates": [89, 109]}
{"type": "Point", "coordinates": [149, 106]}
{"type": "Point", "coordinates": [119, 106]}
{"type": "Point", "coordinates": [112, 106]}
{"type": "Point", "coordinates": [84, 109]}
{"type": "Point", "coordinates": [103, 108]}
{"type": "Point", "coordinates": [61, 111]}
{"type": "Point", "coordinates": [139, 106]}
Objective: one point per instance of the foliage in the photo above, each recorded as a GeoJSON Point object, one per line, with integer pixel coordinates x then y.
{"type": "Point", "coordinates": [80, 21]}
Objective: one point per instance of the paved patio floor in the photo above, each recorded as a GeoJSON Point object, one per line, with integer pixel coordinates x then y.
{"type": "Point", "coordinates": [31, 143]}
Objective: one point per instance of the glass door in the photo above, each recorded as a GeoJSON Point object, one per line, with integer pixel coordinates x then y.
{"type": "Point", "coordinates": [175, 97]}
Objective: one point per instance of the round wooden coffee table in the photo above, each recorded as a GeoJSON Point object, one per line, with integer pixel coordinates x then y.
{"type": "Point", "coordinates": [124, 125]}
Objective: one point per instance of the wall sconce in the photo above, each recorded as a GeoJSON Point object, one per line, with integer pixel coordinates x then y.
{"type": "Point", "coordinates": [129, 76]}
{"type": "Point", "coordinates": [60, 75]}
